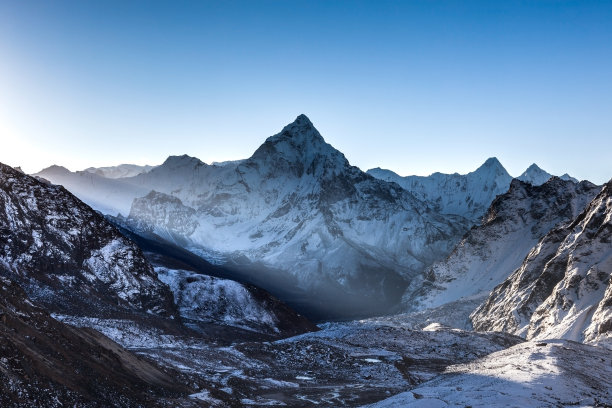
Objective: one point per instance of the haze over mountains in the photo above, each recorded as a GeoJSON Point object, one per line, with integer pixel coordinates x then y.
{"type": "Point", "coordinates": [206, 271]}
{"type": "Point", "coordinates": [297, 211]}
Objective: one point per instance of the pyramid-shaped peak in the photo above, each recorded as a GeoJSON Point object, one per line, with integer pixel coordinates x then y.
{"type": "Point", "coordinates": [300, 143]}
{"type": "Point", "coordinates": [566, 176]}
{"type": "Point", "coordinates": [533, 167]}
{"type": "Point", "coordinates": [302, 120]}
{"type": "Point", "coordinates": [492, 162]}
{"type": "Point", "coordinates": [535, 170]}
{"type": "Point", "coordinates": [300, 134]}
{"type": "Point", "coordinates": [300, 126]}
{"type": "Point", "coordinates": [492, 165]}
{"type": "Point", "coordinates": [534, 175]}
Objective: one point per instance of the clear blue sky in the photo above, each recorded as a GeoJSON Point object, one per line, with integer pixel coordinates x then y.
{"type": "Point", "coordinates": [414, 86]}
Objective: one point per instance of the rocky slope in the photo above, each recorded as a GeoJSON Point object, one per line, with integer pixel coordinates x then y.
{"type": "Point", "coordinates": [343, 365]}
{"type": "Point", "coordinates": [203, 298]}
{"type": "Point", "coordinates": [68, 258]}
{"type": "Point", "coordinates": [295, 208]}
{"type": "Point", "coordinates": [563, 288]}
{"type": "Point", "coordinates": [73, 261]}
{"type": "Point", "coordinates": [490, 252]}
{"type": "Point", "coordinates": [45, 363]}
{"type": "Point", "coordinates": [468, 195]}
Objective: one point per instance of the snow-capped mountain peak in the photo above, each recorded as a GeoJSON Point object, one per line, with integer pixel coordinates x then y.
{"type": "Point", "coordinates": [175, 162]}
{"type": "Point", "coordinates": [535, 175]}
{"type": "Point", "coordinates": [468, 195]}
{"type": "Point", "coordinates": [299, 148]}
{"type": "Point", "coordinates": [492, 165]}
{"type": "Point", "coordinates": [566, 176]}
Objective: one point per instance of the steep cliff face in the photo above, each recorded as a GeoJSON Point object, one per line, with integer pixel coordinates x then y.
{"type": "Point", "coordinates": [490, 252]}
{"type": "Point", "coordinates": [562, 289]}
{"type": "Point", "coordinates": [69, 258]}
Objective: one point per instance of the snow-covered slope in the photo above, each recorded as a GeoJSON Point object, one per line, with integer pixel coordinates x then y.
{"type": "Point", "coordinates": [295, 207]}
{"type": "Point", "coordinates": [68, 257]}
{"type": "Point", "coordinates": [468, 195]}
{"type": "Point", "coordinates": [563, 289]}
{"type": "Point", "coordinates": [202, 298]}
{"type": "Point", "coordinates": [532, 374]}
{"type": "Point", "coordinates": [120, 171]}
{"type": "Point", "coordinates": [490, 252]}
{"type": "Point", "coordinates": [536, 176]}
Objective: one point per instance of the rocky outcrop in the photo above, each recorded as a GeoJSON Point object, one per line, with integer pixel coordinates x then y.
{"type": "Point", "coordinates": [68, 258]}
{"type": "Point", "coordinates": [562, 289]}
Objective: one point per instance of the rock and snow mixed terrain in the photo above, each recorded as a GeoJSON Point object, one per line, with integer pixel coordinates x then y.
{"type": "Point", "coordinates": [563, 289]}
{"type": "Point", "coordinates": [45, 363]}
{"type": "Point", "coordinates": [344, 364]}
{"type": "Point", "coordinates": [468, 195]}
{"type": "Point", "coordinates": [202, 298]}
{"type": "Point", "coordinates": [68, 258]}
{"type": "Point", "coordinates": [490, 252]}
{"type": "Point", "coordinates": [555, 373]}
{"type": "Point", "coordinates": [170, 278]}
{"type": "Point", "coordinates": [296, 207]}
{"type": "Point", "coordinates": [534, 175]}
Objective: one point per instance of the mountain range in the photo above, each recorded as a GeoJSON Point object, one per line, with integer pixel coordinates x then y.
{"type": "Point", "coordinates": [296, 211]}
{"type": "Point", "coordinates": [489, 252]}
{"type": "Point", "coordinates": [296, 208]}
{"type": "Point", "coordinates": [194, 279]}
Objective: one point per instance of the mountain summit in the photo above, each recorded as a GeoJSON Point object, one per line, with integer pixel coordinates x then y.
{"type": "Point", "coordinates": [535, 175]}
{"type": "Point", "coordinates": [492, 164]}
{"type": "Point", "coordinates": [300, 148]}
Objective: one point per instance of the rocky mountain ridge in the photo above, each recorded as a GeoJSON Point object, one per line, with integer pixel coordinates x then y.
{"type": "Point", "coordinates": [490, 252]}
{"type": "Point", "coordinates": [563, 288]}
{"type": "Point", "coordinates": [68, 258]}
{"type": "Point", "coordinates": [468, 195]}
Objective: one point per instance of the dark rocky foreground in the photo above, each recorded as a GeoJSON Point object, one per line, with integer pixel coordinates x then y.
{"type": "Point", "coordinates": [45, 363]}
